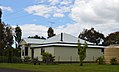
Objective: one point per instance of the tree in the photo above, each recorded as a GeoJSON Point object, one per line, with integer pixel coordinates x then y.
{"type": "Point", "coordinates": [82, 52]}
{"type": "Point", "coordinates": [37, 37]}
{"type": "Point", "coordinates": [2, 38]}
{"type": "Point", "coordinates": [9, 37]}
{"type": "Point", "coordinates": [6, 37]}
{"type": "Point", "coordinates": [50, 32]}
{"type": "Point", "coordinates": [92, 35]}
{"type": "Point", "coordinates": [0, 14]}
{"type": "Point", "coordinates": [18, 34]}
{"type": "Point", "coordinates": [112, 38]}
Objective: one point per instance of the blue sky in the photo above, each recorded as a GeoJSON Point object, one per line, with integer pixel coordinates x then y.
{"type": "Point", "coordinates": [19, 16]}
{"type": "Point", "coordinates": [69, 16]}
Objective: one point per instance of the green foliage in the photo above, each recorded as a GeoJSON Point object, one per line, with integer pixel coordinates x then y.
{"type": "Point", "coordinates": [47, 57]}
{"type": "Point", "coordinates": [92, 35]}
{"type": "Point", "coordinates": [112, 38]}
{"type": "Point", "coordinates": [18, 34]}
{"type": "Point", "coordinates": [5, 59]}
{"type": "Point", "coordinates": [27, 59]}
{"type": "Point", "coordinates": [6, 37]}
{"type": "Point", "coordinates": [35, 61]}
{"type": "Point", "coordinates": [50, 32]}
{"type": "Point", "coordinates": [9, 37]}
{"type": "Point", "coordinates": [100, 60]}
{"type": "Point", "coordinates": [113, 61]}
{"type": "Point", "coordinates": [82, 52]}
{"type": "Point", "coordinates": [37, 37]}
{"type": "Point", "coordinates": [12, 52]}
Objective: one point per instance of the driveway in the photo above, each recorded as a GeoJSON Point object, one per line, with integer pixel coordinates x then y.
{"type": "Point", "coordinates": [13, 70]}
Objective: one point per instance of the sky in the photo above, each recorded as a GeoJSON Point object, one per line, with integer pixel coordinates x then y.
{"type": "Point", "coordinates": [67, 16]}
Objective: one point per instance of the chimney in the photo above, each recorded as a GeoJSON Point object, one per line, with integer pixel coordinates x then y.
{"type": "Point", "coordinates": [61, 36]}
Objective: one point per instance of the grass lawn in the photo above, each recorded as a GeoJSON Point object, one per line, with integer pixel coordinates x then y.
{"type": "Point", "coordinates": [63, 67]}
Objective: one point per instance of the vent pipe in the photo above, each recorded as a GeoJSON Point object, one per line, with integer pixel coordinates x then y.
{"type": "Point", "coordinates": [61, 36]}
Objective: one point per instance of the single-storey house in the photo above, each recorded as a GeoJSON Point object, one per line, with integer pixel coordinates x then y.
{"type": "Point", "coordinates": [63, 46]}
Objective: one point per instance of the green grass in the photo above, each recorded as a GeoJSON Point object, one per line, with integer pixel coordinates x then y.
{"type": "Point", "coordinates": [63, 67]}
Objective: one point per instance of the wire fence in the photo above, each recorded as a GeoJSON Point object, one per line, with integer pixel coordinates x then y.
{"type": "Point", "coordinates": [72, 59]}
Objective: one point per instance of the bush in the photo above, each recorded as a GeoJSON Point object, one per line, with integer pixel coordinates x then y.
{"type": "Point", "coordinates": [113, 61]}
{"type": "Point", "coordinates": [35, 61]}
{"type": "Point", "coordinates": [5, 59]}
{"type": "Point", "coordinates": [100, 60]}
{"type": "Point", "coordinates": [27, 59]}
{"type": "Point", "coordinates": [47, 58]}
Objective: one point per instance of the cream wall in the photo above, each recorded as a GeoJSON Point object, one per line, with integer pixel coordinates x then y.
{"type": "Point", "coordinates": [37, 53]}
{"type": "Point", "coordinates": [71, 54]}
{"type": "Point", "coordinates": [93, 54]}
{"type": "Point", "coordinates": [66, 54]}
{"type": "Point", "coordinates": [50, 50]}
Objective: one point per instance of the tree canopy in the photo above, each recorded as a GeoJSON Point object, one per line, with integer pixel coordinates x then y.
{"type": "Point", "coordinates": [18, 35]}
{"type": "Point", "coordinates": [50, 32]}
{"type": "Point", "coordinates": [92, 35]}
{"type": "Point", "coordinates": [37, 37]}
{"type": "Point", "coordinates": [6, 37]}
{"type": "Point", "coordinates": [112, 38]}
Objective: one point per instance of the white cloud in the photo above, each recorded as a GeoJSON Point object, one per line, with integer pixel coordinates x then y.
{"type": "Point", "coordinates": [58, 15]}
{"type": "Point", "coordinates": [55, 8]}
{"type": "Point", "coordinates": [33, 29]}
{"type": "Point", "coordinates": [6, 8]}
{"type": "Point", "coordinates": [40, 10]}
{"type": "Point", "coordinates": [100, 14]}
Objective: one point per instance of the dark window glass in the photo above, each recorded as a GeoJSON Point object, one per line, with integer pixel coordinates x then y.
{"type": "Point", "coordinates": [26, 51]}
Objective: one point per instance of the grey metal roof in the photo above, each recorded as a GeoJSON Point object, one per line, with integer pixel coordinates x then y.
{"type": "Point", "coordinates": [33, 41]}
{"type": "Point", "coordinates": [67, 38]}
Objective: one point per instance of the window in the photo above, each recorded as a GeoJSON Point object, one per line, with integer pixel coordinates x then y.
{"type": "Point", "coordinates": [26, 51]}
{"type": "Point", "coordinates": [42, 50]}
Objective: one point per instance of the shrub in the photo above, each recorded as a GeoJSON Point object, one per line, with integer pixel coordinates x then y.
{"type": "Point", "coordinates": [100, 60]}
{"type": "Point", "coordinates": [113, 61]}
{"type": "Point", "coordinates": [27, 59]}
{"type": "Point", "coordinates": [35, 61]}
{"type": "Point", "coordinates": [5, 59]}
{"type": "Point", "coordinates": [47, 58]}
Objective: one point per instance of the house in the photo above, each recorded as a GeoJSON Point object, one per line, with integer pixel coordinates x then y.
{"type": "Point", "coordinates": [63, 46]}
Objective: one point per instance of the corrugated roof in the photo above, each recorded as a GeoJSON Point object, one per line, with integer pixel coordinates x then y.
{"type": "Point", "coordinates": [33, 41]}
{"type": "Point", "coordinates": [67, 38]}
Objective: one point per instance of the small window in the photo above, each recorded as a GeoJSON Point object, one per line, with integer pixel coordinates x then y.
{"type": "Point", "coordinates": [26, 51]}
{"type": "Point", "coordinates": [42, 50]}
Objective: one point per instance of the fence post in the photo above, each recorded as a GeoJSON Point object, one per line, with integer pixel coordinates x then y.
{"type": "Point", "coordinates": [93, 59]}
{"type": "Point", "coordinates": [71, 59]}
